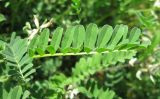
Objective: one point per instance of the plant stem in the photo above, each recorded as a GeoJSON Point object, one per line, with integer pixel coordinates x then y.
{"type": "Point", "coordinates": [71, 54]}
{"type": "Point", "coordinates": [66, 54]}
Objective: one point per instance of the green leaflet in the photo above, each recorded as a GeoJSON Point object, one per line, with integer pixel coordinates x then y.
{"type": "Point", "coordinates": [2, 45]}
{"type": "Point", "coordinates": [2, 18]}
{"type": "Point", "coordinates": [33, 45]}
{"type": "Point", "coordinates": [34, 42]}
{"type": "Point", "coordinates": [90, 37]}
{"type": "Point", "coordinates": [124, 41]}
{"type": "Point", "coordinates": [13, 36]}
{"type": "Point", "coordinates": [43, 41]}
{"type": "Point", "coordinates": [67, 39]}
{"type": "Point", "coordinates": [125, 34]}
{"type": "Point", "coordinates": [79, 35]}
{"type": "Point", "coordinates": [116, 36]}
{"type": "Point", "coordinates": [26, 94]}
{"type": "Point", "coordinates": [103, 37]}
{"type": "Point", "coordinates": [56, 39]}
{"type": "Point", "coordinates": [134, 35]}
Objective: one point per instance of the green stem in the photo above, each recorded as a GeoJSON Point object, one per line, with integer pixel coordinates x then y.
{"type": "Point", "coordinates": [71, 54]}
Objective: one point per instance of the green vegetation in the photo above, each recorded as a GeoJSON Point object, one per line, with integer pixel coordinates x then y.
{"type": "Point", "coordinates": [79, 49]}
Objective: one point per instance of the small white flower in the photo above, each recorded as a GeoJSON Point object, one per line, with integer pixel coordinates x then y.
{"type": "Point", "coordinates": [32, 33]}
{"type": "Point", "coordinates": [45, 25]}
{"type": "Point", "coordinates": [75, 91]}
{"type": "Point", "coordinates": [36, 21]}
{"type": "Point", "coordinates": [152, 79]}
{"type": "Point", "coordinates": [132, 61]}
{"type": "Point", "coordinates": [138, 74]}
{"type": "Point", "coordinates": [72, 92]}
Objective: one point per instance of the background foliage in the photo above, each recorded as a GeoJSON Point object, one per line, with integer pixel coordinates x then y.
{"type": "Point", "coordinates": [58, 77]}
